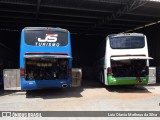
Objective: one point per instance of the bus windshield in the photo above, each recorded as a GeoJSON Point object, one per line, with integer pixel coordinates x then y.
{"type": "Point", "coordinates": [46, 38]}
{"type": "Point", "coordinates": [127, 42]}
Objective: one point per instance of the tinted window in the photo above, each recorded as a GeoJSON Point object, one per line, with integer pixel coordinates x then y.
{"type": "Point", "coordinates": [127, 42]}
{"type": "Point", "coordinates": [46, 38]}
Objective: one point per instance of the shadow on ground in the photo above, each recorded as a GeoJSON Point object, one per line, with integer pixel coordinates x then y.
{"type": "Point", "coordinates": [63, 93]}
{"type": "Point", "coordinates": [119, 88]}
{"type": "Point", "coordinates": [75, 92]}
{"type": "Point", "coordinates": [127, 89]}
{"type": "Point", "coordinates": [55, 93]}
{"type": "Point", "coordinates": [9, 92]}
{"type": "Point", "coordinates": [92, 83]}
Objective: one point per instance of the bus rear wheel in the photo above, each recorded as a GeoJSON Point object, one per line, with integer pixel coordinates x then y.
{"type": "Point", "coordinates": [102, 76]}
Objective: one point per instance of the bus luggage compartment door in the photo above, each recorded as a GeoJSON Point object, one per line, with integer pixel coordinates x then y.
{"type": "Point", "coordinates": [11, 78]}
{"type": "Point", "coordinates": [76, 77]}
{"type": "Point", "coordinates": [152, 75]}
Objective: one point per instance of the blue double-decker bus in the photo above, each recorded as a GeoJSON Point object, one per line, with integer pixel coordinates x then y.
{"type": "Point", "coordinates": [45, 58]}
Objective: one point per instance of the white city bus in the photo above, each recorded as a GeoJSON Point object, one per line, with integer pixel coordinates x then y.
{"type": "Point", "coordinates": [123, 59]}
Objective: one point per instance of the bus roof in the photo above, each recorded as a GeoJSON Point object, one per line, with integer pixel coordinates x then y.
{"type": "Point", "coordinates": [125, 34]}
{"type": "Point", "coordinates": [45, 28]}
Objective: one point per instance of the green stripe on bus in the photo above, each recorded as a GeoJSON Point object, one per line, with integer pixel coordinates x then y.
{"type": "Point", "coordinates": [126, 80]}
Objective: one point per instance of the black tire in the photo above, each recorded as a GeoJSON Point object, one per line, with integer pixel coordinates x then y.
{"type": "Point", "coordinates": [102, 76]}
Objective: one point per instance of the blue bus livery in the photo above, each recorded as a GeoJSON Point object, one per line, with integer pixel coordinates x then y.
{"type": "Point", "coordinates": [45, 58]}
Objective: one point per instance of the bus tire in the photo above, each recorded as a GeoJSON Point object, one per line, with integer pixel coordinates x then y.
{"type": "Point", "coordinates": [102, 76]}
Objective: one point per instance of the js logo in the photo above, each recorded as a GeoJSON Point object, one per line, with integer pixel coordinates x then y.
{"type": "Point", "coordinates": [49, 38]}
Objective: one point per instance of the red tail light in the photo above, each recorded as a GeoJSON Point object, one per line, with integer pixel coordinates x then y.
{"type": "Point", "coordinates": [22, 72]}
{"type": "Point", "coordinates": [69, 72]}
{"type": "Point", "coordinates": [139, 79]}
{"type": "Point", "coordinates": [109, 71]}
